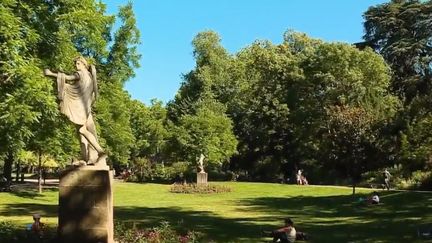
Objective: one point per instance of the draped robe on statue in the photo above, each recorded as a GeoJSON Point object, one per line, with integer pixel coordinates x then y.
{"type": "Point", "coordinates": [76, 98]}
{"type": "Point", "coordinates": [75, 102]}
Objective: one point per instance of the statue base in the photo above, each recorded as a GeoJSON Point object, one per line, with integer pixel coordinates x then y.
{"type": "Point", "coordinates": [86, 205]}
{"type": "Point", "coordinates": [201, 178]}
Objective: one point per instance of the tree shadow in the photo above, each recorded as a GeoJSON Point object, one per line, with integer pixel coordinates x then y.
{"type": "Point", "coordinates": [342, 219]}
{"type": "Point", "coordinates": [214, 227]}
{"type": "Point", "coordinates": [28, 209]}
{"type": "Point", "coordinates": [325, 218]}
{"type": "Point", "coordinates": [30, 193]}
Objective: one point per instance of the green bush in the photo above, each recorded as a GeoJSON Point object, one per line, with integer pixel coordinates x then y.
{"type": "Point", "coordinates": [421, 180]}
{"type": "Point", "coordinates": [200, 189]}
{"type": "Point", "coordinates": [12, 233]}
{"type": "Point", "coordinates": [125, 233]}
{"type": "Point", "coordinates": [177, 169]}
{"type": "Point", "coordinates": [141, 170]}
{"type": "Point", "coordinates": [144, 171]}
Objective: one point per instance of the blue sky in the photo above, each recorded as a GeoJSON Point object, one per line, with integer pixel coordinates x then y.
{"type": "Point", "coordinates": [168, 27]}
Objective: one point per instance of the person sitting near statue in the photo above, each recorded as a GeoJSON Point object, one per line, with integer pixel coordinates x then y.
{"type": "Point", "coordinates": [76, 93]}
{"type": "Point", "coordinates": [36, 229]}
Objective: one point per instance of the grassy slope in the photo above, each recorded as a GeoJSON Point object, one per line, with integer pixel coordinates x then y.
{"type": "Point", "coordinates": [326, 213]}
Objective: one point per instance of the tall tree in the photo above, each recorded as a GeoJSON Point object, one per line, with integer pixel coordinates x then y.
{"type": "Point", "coordinates": [206, 132]}
{"type": "Point", "coordinates": [113, 107]}
{"type": "Point", "coordinates": [149, 126]}
{"type": "Point", "coordinates": [36, 34]}
{"type": "Point", "coordinates": [198, 111]}
{"type": "Point", "coordinates": [401, 31]}
{"type": "Point", "coordinates": [25, 94]}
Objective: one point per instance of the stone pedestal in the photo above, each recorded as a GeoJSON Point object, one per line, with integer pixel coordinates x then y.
{"type": "Point", "coordinates": [86, 205]}
{"type": "Point", "coordinates": [201, 178]}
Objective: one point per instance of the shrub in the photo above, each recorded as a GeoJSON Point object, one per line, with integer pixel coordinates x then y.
{"type": "Point", "coordinates": [124, 233]}
{"type": "Point", "coordinates": [144, 170]}
{"type": "Point", "coordinates": [418, 180]}
{"type": "Point", "coordinates": [177, 169]}
{"type": "Point", "coordinates": [200, 189]}
{"type": "Point", "coordinates": [12, 233]}
{"type": "Point", "coordinates": [141, 170]}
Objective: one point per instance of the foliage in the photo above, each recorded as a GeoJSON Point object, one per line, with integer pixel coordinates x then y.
{"type": "Point", "coordinates": [420, 180]}
{"type": "Point", "coordinates": [269, 109]}
{"type": "Point", "coordinates": [282, 96]}
{"type": "Point", "coordinates": [44, 34]}
{"type": "Point", "coordinates": [12, 233]}
{"type": "Point", "coordinates": [124, 233]}
{"type": "Point", "coordinates": [114, 122]}
{"type": "Point", "coordinates": [199, 189]}
{"type": "Point", "coordinates": [141, 170]}
{"type": "Point", "coordinates": [400, 31]}
{"type": "Point", "coordinates": [178, 170]}
{"type": "Point", "coordinates": [208, 133]}
{"type": "Point", "coordinates": [201, 124]}
{"type": "Point", "coordinates": [150, 129]}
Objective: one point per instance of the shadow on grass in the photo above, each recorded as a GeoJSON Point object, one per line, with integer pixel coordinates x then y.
{"type": "Point", "coordinates": [326, 219]}
{"type": "Point", "coordinates": [341, 219]}
{"type": "Point", "coordinates": [31, 193]}
{"type": "Point", "coordinates": [28, 209]}
{"type": "Point", "coordinates": [214, 227]}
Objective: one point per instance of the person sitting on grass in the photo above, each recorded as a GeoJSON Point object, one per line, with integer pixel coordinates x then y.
{"type": "Point", "coordinates": [373, 199]}
{"type": "Point", "coordinates": [36, 229]}
{"type": "Point", "coordinates": [284, 234]}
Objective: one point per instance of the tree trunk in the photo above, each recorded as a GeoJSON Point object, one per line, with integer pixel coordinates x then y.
{"type": "Point", "coordinates": [7, 169]}
{"type": "Point", "coordinates": [40, 173]}
{"type": "Point", "coordinates": [18, 170]}
{"type": "Point", "coordinates": [353, 185]}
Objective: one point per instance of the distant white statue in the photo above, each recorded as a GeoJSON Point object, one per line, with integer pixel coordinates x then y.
{"type": "Point", "coordinates": [77, 93]}
{"type": "Point", "coordinates": [201, 164]}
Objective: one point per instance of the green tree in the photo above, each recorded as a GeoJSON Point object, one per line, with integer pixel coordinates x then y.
{"type": "Point", "coordinates": [206, 132]}
{"type": "Point", "coordinates": [149, 126]}
{"type": "Point", "coordinates": [39, 34]}
{"type": "Point", "coordinates": [198, 110]}
{"type": "Point", "coordinates": [400, 31]}
{"type": "Point", "coordinates": [25, 94]}
{"type": "Point", "coordinates": [353, 86]}
{"type": "Point", "coordinates": [113, 107]}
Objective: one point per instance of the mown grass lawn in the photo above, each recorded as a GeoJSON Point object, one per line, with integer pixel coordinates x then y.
{"type": "Point", "coordinates": [328, 214]}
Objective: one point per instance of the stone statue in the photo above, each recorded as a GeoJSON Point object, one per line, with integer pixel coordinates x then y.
{"type": "Point", "coordinates": [77, 93]}
{"type": "Point", "coordinates": [201, 164]}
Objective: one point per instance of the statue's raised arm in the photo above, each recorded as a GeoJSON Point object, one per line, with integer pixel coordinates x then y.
{"type": "Point", "coordinates": [76, 99]}
{"type": "Point", "coordinates": [49, 73]}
